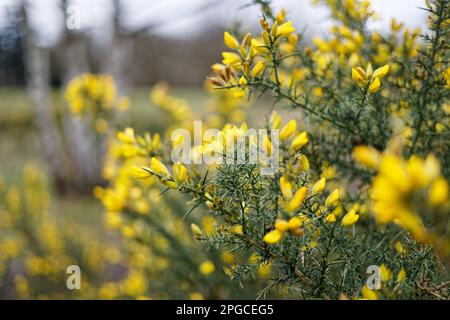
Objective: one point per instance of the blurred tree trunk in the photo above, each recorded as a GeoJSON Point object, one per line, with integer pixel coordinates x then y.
{"type": "Point", "coordinates": [37, 63]}
{"type": "Point", "coordinates": [80, 135]}
{"type": "Point", "coordinates": [116, 58]}
{"type": "Point", "coordinates": [117, 55]}
{"type": "Point", "coordinates": [82, 139]}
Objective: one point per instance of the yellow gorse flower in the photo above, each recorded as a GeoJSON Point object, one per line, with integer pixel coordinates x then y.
{"type": "Point", "coordinates": [281, 16]}
{"type": "Point", "coordinates": [286, 188]}
{"type": "Point", "coordinates": [180, 173]}
{"type": "Point", "coordinates": [399, 247]}
{"type": "Point", "coordinates": [275, 120]}
{"type": "Point", "coordinates": [368, 294]}
{"type": "Point", "coordinates": [385, 273]}
{"type": "Point", "coordinates": [374, 85]}
{"type": "Point", "coordinates": [319, 186]}
{"type": "Point", "coordinates": [242, 81]}
{"type": "Point", "coordinates": [330, 218]}
{"type": "Point", "coordinates": [127, 136]}
{"type": "Point", "coordinates": [288, 129]}
{"type": "Point", "coordinates": [159, 168]}
{"type": "Point", "coordinates": [297, 200]}
{"type": "Point", "coordinates": [438, 193]}
{"type": "Point", "coordinates": [332, 198]}
{"type": "Point", "coordinates": [367, 156]}
{"type": "Point", "coordinates": [350, 218]}
{"type": "Point", "coordinates": [401, 276]}
{"type": "Point", "coordinates": [230, 41]}
{"type": "Point", "coordinates": [196, 231]}
{"type": "Point", "coordinates": [231, 58]}
{"type": "Point", "coordinates": [140, 173]}
{"type": "Point", "coordinates": [359, 75]}
{"type": "Point", "coordinates": [273, 237]}
{"type": "Point", "coordinates": [285, 29]}
{"type": "Point", "coordinates": [283, 226]}
{"type": "Point", "coordinates": [370, 78]}
{"type": "Point", "coordinates": [395, 187]}
{"type": "Point", "coordinates": [381, 72]}
{"type": "Point", "coordinates": [299, 141]}
{"type": "Point", "coordinates": [304, 163]}
{"type": "Point", "coordinates": [259, 46]}
{"type": "Point", "coordinates": [292, 201]}
{"type": "Point", "coordinates": [294, 223]}
{"type": "Point", "coordinates": [207, 267]}
{"type": "Point", "coordinates": [94, 94]}
{"type": "Point", "coordinates": [258, 69]}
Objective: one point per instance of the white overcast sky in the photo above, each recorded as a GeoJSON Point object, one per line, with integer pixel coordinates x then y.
{"type": "Point", "coordinates": [184, 19]}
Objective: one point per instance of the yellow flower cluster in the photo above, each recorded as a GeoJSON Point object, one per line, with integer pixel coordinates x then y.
{"type": "Point", "coordinates": [152, 225]}
{"type": "Point", "coordinates": [95, 95]}
{"type": "Point", "coordinates": [349, 11]}
{"type": "Point", "coordinates": [126, 152]}
{"type": "Point", "coordinates": [249, 57]}
{"type": "Point", "coordinates": [281, 226]}
{"type": "Point", "coordinates": [403, 191]}
{"type": "Point", "coordinates": [131, 145]}
{"type": "Point", "coordinates": [369, 79]}
{"type": "Point", "coordinates": [247, 65]}
{"type": "Point", "coordinates": [293, 202]}
{"type": "Point", "coordinates": [157, 168]}
{"type": "Point", "coordinates": [384, 291]}
{"type": "Point", "coordinates": [178, 110]}
{"type": "Point", "coordinates": [131, 196]}
{"type": "Point", "coordinates": [36, 247]}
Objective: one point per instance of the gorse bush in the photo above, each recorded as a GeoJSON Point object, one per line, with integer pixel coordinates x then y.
{"type": "Point", "coordinates": [323, 217]}
{"type": "Point", "coordinates": [340, 192]}
{"type": "Point", "coordinates": [409, 84]}
{"type": "Point", "coordinates": [167, 261]}
{"type": "Point", "coordinates": [362, 176]}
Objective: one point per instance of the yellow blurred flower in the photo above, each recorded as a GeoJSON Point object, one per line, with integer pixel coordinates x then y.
{"type": "Point", "coordinates": [207, 267]}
